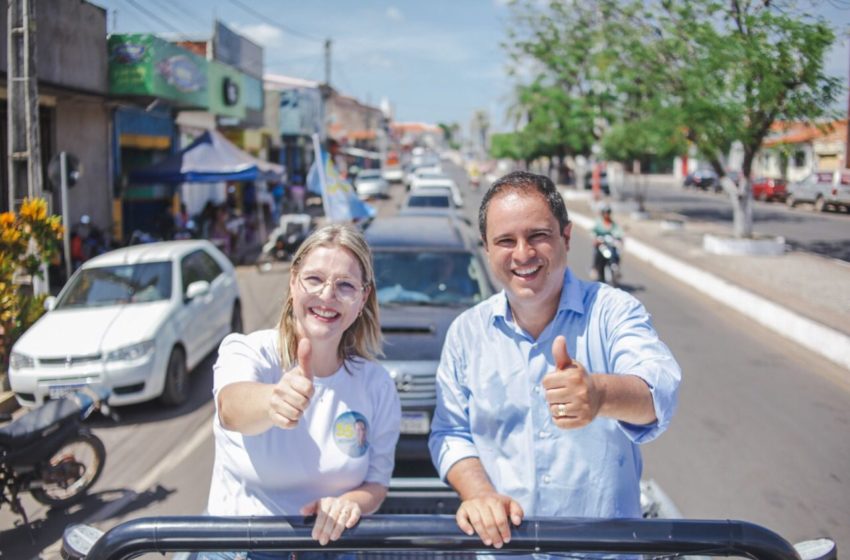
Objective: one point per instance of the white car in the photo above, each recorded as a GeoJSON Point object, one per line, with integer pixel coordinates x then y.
{"type": "Point", "coordinates": [135, 320]}
{"type": "Point", "coordinates": [426, 182]}
{"type": "Point", "coordinates": [371, 183]}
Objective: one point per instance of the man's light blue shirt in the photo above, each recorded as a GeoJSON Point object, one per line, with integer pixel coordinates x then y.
{"type": "Point", "coordinates": [491, 403]}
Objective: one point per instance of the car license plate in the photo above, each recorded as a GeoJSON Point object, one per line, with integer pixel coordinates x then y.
{"type": "Point", "coordinates": [416, 422]}
{"type": "Point", "coordinates": [59, 391]}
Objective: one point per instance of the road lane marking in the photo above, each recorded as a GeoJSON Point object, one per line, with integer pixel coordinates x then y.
{"type": "Point", "coordinates": [166, 465]}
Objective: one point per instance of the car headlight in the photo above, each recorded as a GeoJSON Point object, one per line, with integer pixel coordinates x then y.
{"type": "Point", "coordinates": [20, 361]}
{"type": "Point", "coordinates": [132, 352]}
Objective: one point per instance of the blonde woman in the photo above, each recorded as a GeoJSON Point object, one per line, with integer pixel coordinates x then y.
{"type": "Point", "coordinates": [306, 419]}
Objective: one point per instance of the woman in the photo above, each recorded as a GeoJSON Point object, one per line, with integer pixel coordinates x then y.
{"type": "Point", "coordinates": [293, 402]}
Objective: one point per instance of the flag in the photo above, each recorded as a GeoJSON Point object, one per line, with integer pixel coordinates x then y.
{"type": "Point", "coordinates": [338, 196]}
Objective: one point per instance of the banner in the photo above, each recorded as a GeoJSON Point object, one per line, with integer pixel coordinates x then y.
{"type": "Point", "coordinates": [338, 196]}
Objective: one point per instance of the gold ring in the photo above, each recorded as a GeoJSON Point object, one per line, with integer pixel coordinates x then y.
{"type": "Point", "coordinates": [562, 410]}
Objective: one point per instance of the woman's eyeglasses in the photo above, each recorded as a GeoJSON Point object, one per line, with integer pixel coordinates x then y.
{"type": "Point", "coordinates": [345, 290]}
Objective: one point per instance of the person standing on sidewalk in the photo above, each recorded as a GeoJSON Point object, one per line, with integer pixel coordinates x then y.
{"type": "Point", "coordinates": [306, 420]}
{"type": "Point", "coordinates": [546, 389]}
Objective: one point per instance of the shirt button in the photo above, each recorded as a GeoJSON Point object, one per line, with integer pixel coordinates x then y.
{"type": "Point", "coordinates": [536, 389]}
{"type": "Point", "coordinates": [542, 434]}
{"type": "Point", "coordinates": [546, 479]}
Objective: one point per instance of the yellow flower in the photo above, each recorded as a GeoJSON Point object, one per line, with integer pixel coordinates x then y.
{"type": "Point", "coordinates": [34, 209]}
{"type": "Point", "coordinates": [10, 236]}
{"type": "Point", "coordinates": [7, 219]}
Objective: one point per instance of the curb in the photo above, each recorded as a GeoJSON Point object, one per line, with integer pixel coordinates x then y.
{"type": "Point", "coordinates": [820, 339]}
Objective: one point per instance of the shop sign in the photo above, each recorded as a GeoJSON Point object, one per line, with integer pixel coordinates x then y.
{"type": "Point", "coordinates": [226, 91]}
{"type": "Point", "coordinates": [141, 64]}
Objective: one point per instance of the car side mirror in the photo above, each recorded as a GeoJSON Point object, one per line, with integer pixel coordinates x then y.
{"type": "Point", "coordinates": [196, 289]}
{"type": "Point", "coordinates": [50, 303]}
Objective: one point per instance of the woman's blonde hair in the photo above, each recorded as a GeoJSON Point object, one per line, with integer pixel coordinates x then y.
{"type": "Point", "coordinates": [363, 338]}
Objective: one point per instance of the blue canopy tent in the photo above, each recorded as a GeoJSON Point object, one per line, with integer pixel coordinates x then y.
{"type": "Point", "coordinates": [211, 158]}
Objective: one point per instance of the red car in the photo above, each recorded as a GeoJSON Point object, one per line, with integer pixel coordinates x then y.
{"type": "Point", "coordinates": [766, 188]}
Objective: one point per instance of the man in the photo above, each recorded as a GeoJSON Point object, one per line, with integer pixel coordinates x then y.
{"type": "Point", "coordinates": [605, 231]}
{"type": "Point", "coordinates": [545, 389]}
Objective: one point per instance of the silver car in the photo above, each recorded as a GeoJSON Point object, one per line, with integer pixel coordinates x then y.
{"type": "Point", "coordinates": [823, 189]}
{"type": "Point", "coordinates": [370, 183]}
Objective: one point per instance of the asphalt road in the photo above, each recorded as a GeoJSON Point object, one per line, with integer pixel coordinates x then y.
{"type": "Point", "coordinates": [761, 432]}
{"type": "Point", "coordinates": [824, 233]}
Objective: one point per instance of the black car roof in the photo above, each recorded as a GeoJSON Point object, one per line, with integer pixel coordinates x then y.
{"type": "Point", "coordinates": [420, 231]}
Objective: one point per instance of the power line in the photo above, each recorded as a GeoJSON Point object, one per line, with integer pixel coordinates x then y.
{"type": "Point", "coordinates": [185, 11]}
{"type": "Point", "coordinates": [170, 8]}
{"type": "Point", "coordinates": [267, 19]}
{"type": "Point", "coordinates": [153, 16]}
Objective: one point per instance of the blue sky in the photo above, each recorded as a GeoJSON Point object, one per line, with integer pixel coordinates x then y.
{"type": "Point", "coordinates": [435, 60]}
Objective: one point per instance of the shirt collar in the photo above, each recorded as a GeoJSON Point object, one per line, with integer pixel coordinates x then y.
{"type": "Point", "coordinates": [572, 299]}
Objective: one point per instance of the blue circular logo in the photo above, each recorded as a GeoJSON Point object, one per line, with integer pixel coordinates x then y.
{"type": "Point", "coordinates": [351, 433]}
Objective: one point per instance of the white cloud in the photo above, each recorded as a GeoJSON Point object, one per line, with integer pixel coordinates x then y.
{"type": "Point", "coordinates": [263, 34]}
{"type": "Point", "coordinates": [394, 14]}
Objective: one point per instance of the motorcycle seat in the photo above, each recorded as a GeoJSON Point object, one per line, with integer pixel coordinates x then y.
{"type": "Point", "coordinates": [38, 423]}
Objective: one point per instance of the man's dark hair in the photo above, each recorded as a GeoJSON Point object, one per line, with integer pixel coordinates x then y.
{"type": "Point", "coordinates": [523, 181]}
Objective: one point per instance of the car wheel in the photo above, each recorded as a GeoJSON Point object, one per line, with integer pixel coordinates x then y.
{"type": "Point", "coordinates": [236, 318]}
{"type": "Point", "coordinates": [820, 204]}
{"type": "Point", "coordinates": [176, 388]}
{"type": "Point", "coordinates": [791, 201]}
{"type": "Point", "coordinates": [763, 196]}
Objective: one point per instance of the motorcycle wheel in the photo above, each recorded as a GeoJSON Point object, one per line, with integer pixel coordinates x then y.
{"type": "Point", "coordinates": [609, 275]}
{"type": "Point", "coordinates": [67, 476]}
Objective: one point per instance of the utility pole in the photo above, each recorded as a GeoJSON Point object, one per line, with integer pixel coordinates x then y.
{"type": "Point", "coordinates": [328, 62]}
{"type": "Point", "coordinates": [325, 90]}
{"type": "Point", "coordinates": [24, 149]}
{"type": "Point", "coordinates": [847, 140]}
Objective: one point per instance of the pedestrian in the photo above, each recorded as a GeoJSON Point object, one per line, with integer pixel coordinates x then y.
{"type": "Point", "coordinates": [546, 389]}
{"type": "Point", "coordinates": [306, 420]}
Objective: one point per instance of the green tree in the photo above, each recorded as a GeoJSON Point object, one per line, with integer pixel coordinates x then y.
{"type": "Point", "coordinates": [643, 78]}
{"type": "Point", "coordinates": [451, 132]}
{"type": "Point", "coordinates": [723, 72]}
{"type": "Point", "coordinates": [567, 100]}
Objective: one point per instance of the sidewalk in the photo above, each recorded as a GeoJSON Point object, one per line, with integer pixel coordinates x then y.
{"type": "Point", "coordinates": [801, 296]}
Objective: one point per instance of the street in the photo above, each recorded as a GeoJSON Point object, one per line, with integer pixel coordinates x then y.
{"type": "Point", "coordinates": [760, 434]}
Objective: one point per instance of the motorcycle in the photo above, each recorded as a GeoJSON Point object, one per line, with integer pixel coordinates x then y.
{"type": "Point", "coordinates": [607, 261]}
{"type": "Point", "coordinates": [49, 453]}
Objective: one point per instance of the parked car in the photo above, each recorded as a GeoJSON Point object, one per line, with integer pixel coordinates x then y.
{"type": "Point", "coordinates": [428, 270]}
{"type": "Point", "coordinates": [770, 189]}
{"type": "Point", "coordinates": [135, 321]}
{"type": "Point", "coordinates": [824, 189]}
{"type": "Point", "coordinates": [704, 179]}
{"type": "Point", "coordinates": [371, 183]}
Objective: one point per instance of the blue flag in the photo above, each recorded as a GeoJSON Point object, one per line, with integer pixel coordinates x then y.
{"type": "Point", "coordinates": [338, 196]}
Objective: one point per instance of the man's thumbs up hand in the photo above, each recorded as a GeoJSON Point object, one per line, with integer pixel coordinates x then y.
{"type": "Point", "coordinates": [560, 353]}
{"type": "Point", "coordinates": [291, 395]}
{"type": "Point", "coordinates": [571, 393]}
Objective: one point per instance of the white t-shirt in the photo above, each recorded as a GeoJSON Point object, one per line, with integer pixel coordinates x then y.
{"type": "Point", "coordinates": [347, 436]}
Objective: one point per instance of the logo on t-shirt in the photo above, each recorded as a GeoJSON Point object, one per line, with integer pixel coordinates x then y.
{"type": "Point", "coordinates": [351, 432]}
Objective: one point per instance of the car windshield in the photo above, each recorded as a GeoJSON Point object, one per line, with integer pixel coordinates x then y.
{"type": "Point", "coordinates": [428, 201]}
{"type": "Point", "coordinates": [373, 174]}
{"type": "Point", "coordinates": [118, 285]}
{"type": "Point", "coordinates": [429, 278]}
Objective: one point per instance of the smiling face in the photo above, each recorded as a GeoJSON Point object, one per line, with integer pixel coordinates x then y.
{"type": "Point", "coordinates": [527, 250]}
{"type": "Point", "coordinates": [322, 317]}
